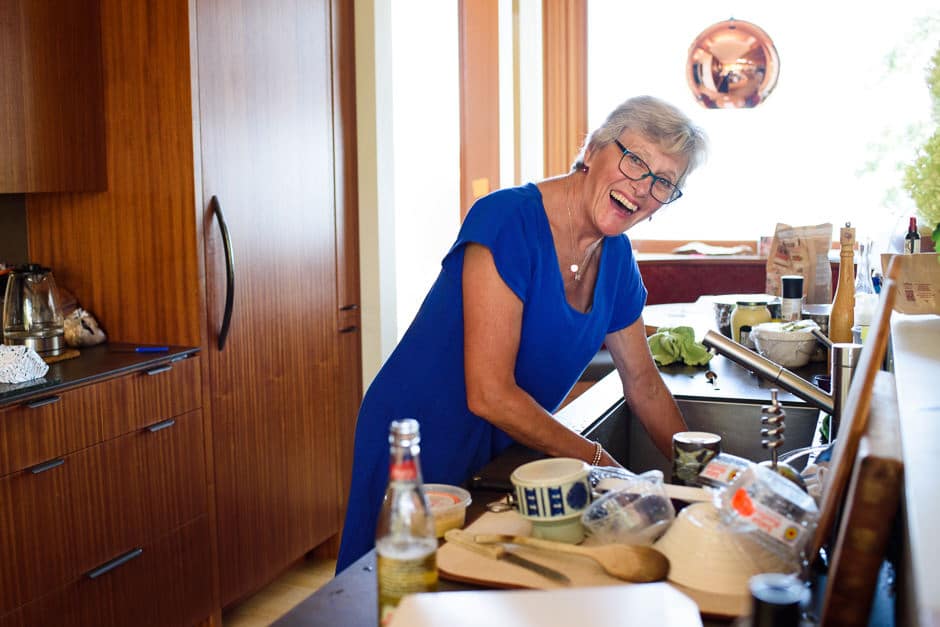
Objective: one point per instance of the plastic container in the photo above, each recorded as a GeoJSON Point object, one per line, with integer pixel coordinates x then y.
{"type": "Point", "coordinates": [448, 506]}
{"type": "Point", "coordinates": [748, 313]}
{"type": "Point", "coordinates": [636, 514]}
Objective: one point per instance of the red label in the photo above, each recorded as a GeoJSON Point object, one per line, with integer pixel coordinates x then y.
{"type": "Point", "coordinates": [741, 501]}
{"type": "Point", "coordinates": [405, 471]}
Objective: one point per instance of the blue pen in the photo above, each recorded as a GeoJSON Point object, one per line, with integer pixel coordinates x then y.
{"type": "Point", "coordinates": [141, 349]}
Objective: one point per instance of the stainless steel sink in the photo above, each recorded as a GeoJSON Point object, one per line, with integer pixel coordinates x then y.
{"type": "Point", "coordinates": [738, 424]}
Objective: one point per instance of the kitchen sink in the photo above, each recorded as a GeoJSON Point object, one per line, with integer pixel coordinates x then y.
{"type": "Point", "coordinates": [738, 424]}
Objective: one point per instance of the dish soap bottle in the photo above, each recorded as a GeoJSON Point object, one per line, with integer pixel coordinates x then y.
{"type": "Point", "coordinates": [842, 316]}
{"type": "Point", "coordinates": [405, 544]}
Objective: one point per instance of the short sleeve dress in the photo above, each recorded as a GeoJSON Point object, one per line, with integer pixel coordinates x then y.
{"type": "Point", "coordinates": [424, 379]}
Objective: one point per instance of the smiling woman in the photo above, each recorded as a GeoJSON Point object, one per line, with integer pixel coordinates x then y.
{"type": "Point", "coordinates": [824, 148]}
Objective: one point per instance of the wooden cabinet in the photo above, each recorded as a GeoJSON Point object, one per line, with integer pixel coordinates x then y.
{"type": "Point", "coordinates": [252, 105]}
{"type": "Point", "coordinates": [51, 111]}
{"type": "Point", "coordinates": [68, 520]}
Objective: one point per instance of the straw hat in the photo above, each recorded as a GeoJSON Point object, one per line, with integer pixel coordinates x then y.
{"type": "Point", "coordinates": [705, 555]}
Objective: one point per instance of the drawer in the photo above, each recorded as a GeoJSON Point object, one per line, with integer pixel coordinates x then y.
{"type": "Point", "coordinates": [47, 427]}
{"type": "Point", "coordinates": [148, 396]}
{"type": "Point", "coordinates": [166, 583]}
{"type": "Point", "coordinates": [71, 514]}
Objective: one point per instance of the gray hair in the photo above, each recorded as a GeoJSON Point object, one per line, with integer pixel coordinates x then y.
{"type": "Point", "coordinates": [656, 120]}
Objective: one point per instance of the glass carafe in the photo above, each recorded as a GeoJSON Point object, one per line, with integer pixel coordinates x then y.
{"type": "Point", "coordinates": [31, 312]}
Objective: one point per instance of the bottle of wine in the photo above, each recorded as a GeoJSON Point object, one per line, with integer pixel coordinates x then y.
{"type": "Point", "coordinates": [842, 316]}
{"type": "Point", "coordinates": [406, 544]}
{"type": "Point", "coordinates": [912, 239]}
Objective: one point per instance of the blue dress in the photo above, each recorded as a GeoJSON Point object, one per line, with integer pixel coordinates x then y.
{"type": "Point", "coordinates": [423, 378]}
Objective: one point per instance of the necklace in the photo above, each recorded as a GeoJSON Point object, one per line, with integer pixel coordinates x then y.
{"type": "Point", "coordinates": [577, 268]}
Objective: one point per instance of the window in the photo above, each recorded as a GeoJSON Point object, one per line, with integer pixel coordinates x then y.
{"type": "Point", "coordinates": [850, 105]}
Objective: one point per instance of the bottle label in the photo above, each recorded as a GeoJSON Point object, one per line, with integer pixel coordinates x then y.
{"type": "Point", "coordinates": [791, 309]}
{"type": "Point", "coordinates": [403, 569]}
{"type": "Point", "coordinates": [405, 470]}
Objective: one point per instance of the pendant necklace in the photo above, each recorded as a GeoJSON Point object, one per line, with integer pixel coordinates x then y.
{"type": "Point", "coordinates": [577, 268]}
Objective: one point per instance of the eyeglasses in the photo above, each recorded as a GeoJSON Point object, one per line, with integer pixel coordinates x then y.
{"type": "Point", "coordinates": [636, 169]}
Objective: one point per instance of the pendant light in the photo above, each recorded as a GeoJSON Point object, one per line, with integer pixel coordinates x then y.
{"type": "Point", "coordinates": [732, 65]}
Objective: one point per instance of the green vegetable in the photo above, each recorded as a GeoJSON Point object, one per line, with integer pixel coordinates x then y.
{"type": "Point", "coordinates": [671, 344]}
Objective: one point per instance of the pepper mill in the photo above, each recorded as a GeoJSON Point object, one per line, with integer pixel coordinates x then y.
{"type": "Point", "coordinates": [773, 417]}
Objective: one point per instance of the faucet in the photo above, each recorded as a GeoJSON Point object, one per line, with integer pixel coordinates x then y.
{"type": "Point", "coordinates": [844, 359]}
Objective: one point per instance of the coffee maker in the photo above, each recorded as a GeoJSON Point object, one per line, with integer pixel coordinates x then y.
{"type": "Point", "coordinates": [31, 312]}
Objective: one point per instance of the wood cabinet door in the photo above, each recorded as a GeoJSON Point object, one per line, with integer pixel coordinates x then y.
{"type": "Point", "coordinates": [166, 583]}
{"type": "Point", "coordinates": [51, 99]}
{"type": "Point", "coordinates": [265, 114]}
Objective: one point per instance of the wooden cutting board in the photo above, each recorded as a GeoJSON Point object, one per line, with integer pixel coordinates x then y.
{"type": "Point", "coordinates": [459, 564]}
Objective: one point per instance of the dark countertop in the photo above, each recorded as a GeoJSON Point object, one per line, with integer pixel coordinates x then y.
{"type": "Point", "coordinates": [94, 363]}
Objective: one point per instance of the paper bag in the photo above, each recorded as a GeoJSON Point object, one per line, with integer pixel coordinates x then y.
{"type": "Point", "coordinates": [918, 283]}
{"type": "Point", "coordinates": [802, 250]}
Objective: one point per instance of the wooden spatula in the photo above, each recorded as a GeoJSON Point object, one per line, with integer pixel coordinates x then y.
{"type": "Point", "coordinates": [639, 564]}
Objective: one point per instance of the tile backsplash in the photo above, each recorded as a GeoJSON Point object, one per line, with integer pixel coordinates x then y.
{"type": "Point", "coordinates": [13, 236]}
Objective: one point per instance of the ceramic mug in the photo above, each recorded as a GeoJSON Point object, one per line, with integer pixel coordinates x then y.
{"type": "Point", "coordinates": [552, 494]}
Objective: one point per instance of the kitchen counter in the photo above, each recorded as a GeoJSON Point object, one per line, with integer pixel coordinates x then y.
{"type": "Point", "coordinates": [94, 363]}
{"type": "Point", "coordinates": [351, 597]}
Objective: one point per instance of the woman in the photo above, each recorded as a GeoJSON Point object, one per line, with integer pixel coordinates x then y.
{"type": "Point", "coordinates": [539, 277]}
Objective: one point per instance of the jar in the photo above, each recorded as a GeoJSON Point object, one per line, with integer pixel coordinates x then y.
{"type": "Point", "coordinates": [748, 313]}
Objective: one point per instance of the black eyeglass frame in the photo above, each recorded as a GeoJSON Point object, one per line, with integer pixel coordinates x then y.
{"type": "Point", "coordinates": [676, 192]}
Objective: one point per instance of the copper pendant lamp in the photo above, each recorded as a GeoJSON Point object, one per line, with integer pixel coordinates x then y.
{"type": "Point", "coordinates": [732, 65]}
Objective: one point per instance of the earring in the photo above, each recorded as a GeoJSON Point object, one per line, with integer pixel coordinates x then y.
{"type": "Point", "coordinates": [585, 168]}
{"type": "Point", "coordinates": [651, 219]}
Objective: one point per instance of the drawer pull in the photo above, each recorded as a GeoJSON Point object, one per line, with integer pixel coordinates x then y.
{"type": "Point", "coordinates": [49, 400]}
{"type": "Point", "coordinates": [160, 426]}
{"type": "Point", "coordinates": [43, 467]}
{"type": "Point", "coordinates": [348, 329]}
{"type": "Point", "coordinates": [159, 369]}
{"type": "Point", "coordinates": [117, 561]}
{"type": "Point", "coordinates": [352, 307]}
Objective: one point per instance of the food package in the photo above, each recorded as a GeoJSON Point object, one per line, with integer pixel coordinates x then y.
{"type": "Point", "coordinates": [918, 283]}
{"type": "Point", "coordinates": [802, 250]}
{"type": "Point", "coordinates": [19, 364]}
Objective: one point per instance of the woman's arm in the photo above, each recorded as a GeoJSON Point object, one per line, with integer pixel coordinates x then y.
{"type": "Point", "coordinates": [492, 329]}
{"type": "Point", "coordinates": [643, 387]}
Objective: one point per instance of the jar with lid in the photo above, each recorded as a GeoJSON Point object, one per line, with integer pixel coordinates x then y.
{"type": "Point", "coordinates": [748, 313]}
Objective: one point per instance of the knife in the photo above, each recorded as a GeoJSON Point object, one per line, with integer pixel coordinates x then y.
{"type": "Point", "coordinates": [499, 552]}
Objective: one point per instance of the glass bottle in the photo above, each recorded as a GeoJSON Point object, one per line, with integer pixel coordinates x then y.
{"type": "Point", "coordinates": [842, 315]}
{"type": "Point", "coordinates": [405, 544]}
{"type": "Point", "coordinates": [748, 313]}
{"type": "Point", "coordinates": [866, 299]}
{"type": "Point", "coordinates": [912, 239]}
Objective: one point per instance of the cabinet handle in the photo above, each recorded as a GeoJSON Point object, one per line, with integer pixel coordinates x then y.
{"type": "Point", "coordinates": [349, 307]}
{"type": "Point", "coordinates": [49, 400]}
{"type": "Point", "coordinates": [43, 467]}
{"type": "Point", "coordinates": [117, 561]}
{"type": "Point", "coordinates": [160, 426]}
{"type": "Point", "coordinates": [216, 207]}
{"type": "Point", "coordinates": [158, 370]}
{"type": "Point", "coordinates": [348, 329]}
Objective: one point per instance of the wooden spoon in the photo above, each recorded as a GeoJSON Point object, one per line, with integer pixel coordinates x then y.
{"type": "Point", "coordinates": [639, 564]}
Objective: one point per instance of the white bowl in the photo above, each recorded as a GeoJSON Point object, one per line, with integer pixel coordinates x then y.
{"type": "Point", "coordinates": [706, 555]}
{"type": "Point", "coordinates": [789, 344]}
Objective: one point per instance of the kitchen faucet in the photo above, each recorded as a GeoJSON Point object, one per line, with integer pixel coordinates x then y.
{"type": "Point", "coordinates": [844, 359]}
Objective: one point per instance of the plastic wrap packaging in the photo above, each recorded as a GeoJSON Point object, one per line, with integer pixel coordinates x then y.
{"type": "Point", "coordinates": [772, 509]}
{"type": "Point", "coordinates": [637, 513]}
{"type": "Point", "coordinates": [721, 470]}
